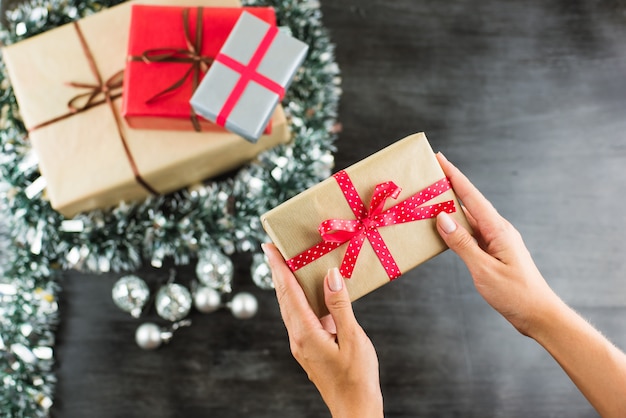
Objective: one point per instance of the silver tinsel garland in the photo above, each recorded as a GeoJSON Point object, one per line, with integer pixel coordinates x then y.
{"type": "Point", "coordinates": [223, 216]}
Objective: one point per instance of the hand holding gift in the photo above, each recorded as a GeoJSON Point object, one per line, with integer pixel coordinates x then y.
{"type": "Point", "coordinates": [375, 219]}
{"type": "Point", "coordinates": [335, 352]}
{"type": "Point", "coordinates": [504, 274]}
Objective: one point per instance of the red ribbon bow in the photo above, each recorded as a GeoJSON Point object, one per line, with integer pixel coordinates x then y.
{"type": "Point", "coordinates": [336, 232]}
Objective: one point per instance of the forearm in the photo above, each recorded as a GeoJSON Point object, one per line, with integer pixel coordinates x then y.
{"type": "Point", "coordinates": [594, 364]}
{"type": "Point", "coordinates": [505, 275]}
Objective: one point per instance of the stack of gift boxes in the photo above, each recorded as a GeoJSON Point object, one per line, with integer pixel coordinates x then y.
{"type": "Point", "coordinates": [145, 99]}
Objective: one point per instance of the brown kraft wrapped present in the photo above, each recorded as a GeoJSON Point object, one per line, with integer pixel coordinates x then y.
{"type": "Point", "coordinates": [375, 220]}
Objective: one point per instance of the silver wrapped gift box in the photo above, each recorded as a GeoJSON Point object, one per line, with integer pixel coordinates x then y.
{"type": "Point", "coordinates": [249, 77]}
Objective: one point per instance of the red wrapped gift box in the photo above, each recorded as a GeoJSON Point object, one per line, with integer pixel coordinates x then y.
{"type": "Point", "coordinates": [169, 50]}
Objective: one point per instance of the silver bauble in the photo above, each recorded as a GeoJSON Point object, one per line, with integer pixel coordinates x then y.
{"type": "Point", "coordinates": [244, 305]}
{"type": "Point", "coordinates": [148, 336]}
{"type": "Point", "coordinates": [173, 302]}
{"type": "Point", "coordinates": [130, 294]}
{"type": "Point", "coordinates": [206, 299]}
{"type": "Point", "coordinates": [260, 272]}
{"type": "Point", "coordinates": [215, 270]}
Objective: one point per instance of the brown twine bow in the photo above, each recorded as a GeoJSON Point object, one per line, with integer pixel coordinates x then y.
{"type": "Point", "coordinates": [192, 55]}
{"type": "Point", "coordinates": [87, 100]}
{"type": "Point", "coordinates": [84, 101]}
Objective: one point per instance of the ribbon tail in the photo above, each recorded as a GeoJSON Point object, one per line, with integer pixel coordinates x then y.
{"type": "Point", "coordinates": [352, 253]}
{"type": "Point", "coordinates": [195, 122]}
{"type": "Point", "coordinates": [383, 254]}
{"type": "Point", "coordinates": [179, 83]}
{"type": "Point", "coordinates": [133, 165]}
{"type": "Point", "coordinates": [87, 98]}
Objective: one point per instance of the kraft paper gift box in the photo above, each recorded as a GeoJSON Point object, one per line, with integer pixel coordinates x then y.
{"type": "Point", "coordinates": [170, 48]}
{"type": "Point", "coordinates": [88, 155]}
{"type": "Point", "coordinates": [249, 77]}
{"type": "Point", "coordinates": [401, 227]}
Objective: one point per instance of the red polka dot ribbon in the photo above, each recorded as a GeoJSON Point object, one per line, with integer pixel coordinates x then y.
{"type": "Point", "coordinates": [336, 232]}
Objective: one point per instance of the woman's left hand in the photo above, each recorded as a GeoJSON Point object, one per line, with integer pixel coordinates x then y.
{"type": "Point", "coordinates": [335, 352]}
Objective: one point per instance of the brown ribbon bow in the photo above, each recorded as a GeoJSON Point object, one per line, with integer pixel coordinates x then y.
{"type": "Point", "coordinates": [192, 55]}
{"type": "Point", "coordinates": [85, 101]}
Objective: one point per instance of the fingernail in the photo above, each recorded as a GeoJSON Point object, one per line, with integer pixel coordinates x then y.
{"type": "Point", "coordinates": [335, 281]}
{"type": "Point", "coordinates": [442, 156]}
{"type": "Point", "coordinates": [267, 253]}
{"type": "Point", "coordinates": [446, 222]}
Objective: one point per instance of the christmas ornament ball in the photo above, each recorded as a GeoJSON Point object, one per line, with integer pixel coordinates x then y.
{"type": "Point", "coordinates": [215, 270]}
{"type": "Point", "coordinates": [130, 293]}
{"type": "Point", "coordinates": [173, 302]}
{"type": "Point", "coordinates": [260, 272]}
{"type": "Point", "coordinates": [244, 305]}
{"type": "Point", "coordinates": [148, 336]}
{"type": "Point", "coordinates": [206, 299]}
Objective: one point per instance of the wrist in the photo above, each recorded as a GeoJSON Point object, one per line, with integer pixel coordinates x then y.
{"type": "Point", "coordinates": [547, 319]}
{"type": "Point", "coordinates": [367, 404]}
{"type": "Point", "coordinates": [368, 409]}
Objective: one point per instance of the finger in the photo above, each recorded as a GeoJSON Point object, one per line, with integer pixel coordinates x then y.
{"type": "Point", "coordinates": [470, 218]}
{"type": "Point", "coordinates": [338, 303]}
{"type": "Point", "coordinates": [329, 324]}
{"type": "Point", "coordinates": [476, 204]}
{"type": "Point", "coordinates": [461, 242]}
{"type": "Point", "coordinates": [476, 232]}
{"type": "Point", "coordinates": [294, 307]}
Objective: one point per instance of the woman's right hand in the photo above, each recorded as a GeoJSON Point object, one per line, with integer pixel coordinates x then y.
{"type": "Point", "coordinates": [506, 277]}
{"type": "Point", "coordinates": [503, 270]}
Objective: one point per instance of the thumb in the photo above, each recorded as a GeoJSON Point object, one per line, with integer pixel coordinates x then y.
{"type": "Point", "coordinates": [460, 241]}
{"type": "Point", "coordinates": [338, 302]}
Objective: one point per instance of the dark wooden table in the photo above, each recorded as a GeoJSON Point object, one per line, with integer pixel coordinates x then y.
{"type": "Point", "coordinates": [529, 99]}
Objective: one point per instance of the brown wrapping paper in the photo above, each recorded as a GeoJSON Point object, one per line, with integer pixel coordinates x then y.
{"type": "Point", "coordinates": [82, 156]}
{"type": "Point", "coordinates": [293, 226]}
